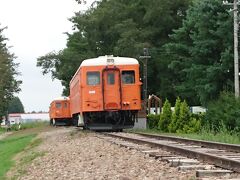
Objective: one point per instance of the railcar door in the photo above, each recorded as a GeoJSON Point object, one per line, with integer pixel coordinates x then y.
{"type": "Point", "coordinates": [111, 89]}
{"type": "Point", "coordinates": [65, 109]}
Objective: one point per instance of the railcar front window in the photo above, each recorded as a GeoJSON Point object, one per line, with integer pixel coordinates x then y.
{"type": "Point", "coordinates": [128, 77]}
{"type": "Point", "coordinates": [58, 105]}
{"type": "Point", "coordinates": [93, 78]}
{"type": "Point", "coordinates": [110, 78]}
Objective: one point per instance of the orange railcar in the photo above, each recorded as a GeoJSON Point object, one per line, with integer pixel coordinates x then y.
{"type": "Point", "coordinates": [59, 112]}
{"type": "Point", "coordinates": [105, 93]}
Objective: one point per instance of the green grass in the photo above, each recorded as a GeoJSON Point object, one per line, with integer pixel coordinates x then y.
{"type": "Point", "coordinates": [2, 130]}
{"type": "Point", "coordinates": [29, 125]}
{"type": "Point", "coordinates": [223, 136]}
{"type": "Point", "coordinates": [218, 137]}
{"type": "Point", "coordinates": [27, 158]}
{"type": "Point", "coordinates": [26, 126]}
{"type": "Point", "coordinates": [9, 147]}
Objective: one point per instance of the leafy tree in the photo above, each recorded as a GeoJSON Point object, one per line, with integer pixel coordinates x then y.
{"type": "Point", "coordinates": [8, 71]}
{"type": "Point", "coordinates": [184, 117]}
{"type": "Point", "coordinates": [15, 106]}
{"type": "Point", "coordinates": [224, 113]}
{"type": "Point", "coordinates": [175, 116]}
{"type": "Point", "coordinates": [201, 52]}
{"type": "Point", "coordinates": [165, 116]}
{"type": "Point", "coordinates": [63, 64]}
{"type": "Point", "coordinates": [121, 28]}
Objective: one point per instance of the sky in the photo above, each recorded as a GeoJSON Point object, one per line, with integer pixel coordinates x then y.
{"type": "Point", "coordinates": [36, 27]}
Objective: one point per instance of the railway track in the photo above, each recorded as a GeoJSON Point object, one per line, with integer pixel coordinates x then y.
{"type": "Point", "coordinates": [226, 156]}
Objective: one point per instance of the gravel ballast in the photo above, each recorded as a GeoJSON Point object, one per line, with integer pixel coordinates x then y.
{"type": "Point", "coordinates": [75, 154]}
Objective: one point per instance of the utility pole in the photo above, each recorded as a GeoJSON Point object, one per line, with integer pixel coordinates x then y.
{"type": "Point", "coordinates": [235, 32]}
{"type": "Point", "coordinates": [145, 58]}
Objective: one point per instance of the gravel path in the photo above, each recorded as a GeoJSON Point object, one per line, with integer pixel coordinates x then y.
{"type": "Point", "coordinates": [73, 154]}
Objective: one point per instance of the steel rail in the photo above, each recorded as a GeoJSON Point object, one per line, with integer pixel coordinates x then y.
{"type": "Point", "coordinates": [222, 162]}
{"type": "Point", "coordinates": [214, 145]}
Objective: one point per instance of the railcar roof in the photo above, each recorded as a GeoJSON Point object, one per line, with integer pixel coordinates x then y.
{"type": "Point", "coordinates": [61, 98]}
{"type": "Point", "coordinates": [103, 60]}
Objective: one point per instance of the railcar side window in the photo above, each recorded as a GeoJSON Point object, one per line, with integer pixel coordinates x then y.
{"type": "Point", "coordinates": [65, 105]}
{"type": "Point", "coordinates": [128, 77]}
{"type": "Point", "coordinates": [93, 78]}
{"type": "Point", "coordinates": [110, 78]}
{"type": "Point", "coordinates": [58, 105]}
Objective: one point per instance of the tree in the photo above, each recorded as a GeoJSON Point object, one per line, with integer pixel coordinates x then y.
{"type": "Point", "coordinates": [63, 64]}
{"type": "Point", "coordinates": [201, 52]}
{"type": "Point", "coordinates": [165, 116]}
{"type": "Point", "coordinates": [224, 113]}
{"type": "Point", "coordinates": [175, 116]}
{"type": "Point", "coordinates": [122, 28]}
{"type": "Point", "coordinates": [8, 72]}
{"type": "Point", "coordinates": [15, 106]}
{"type": "Point", "coordinates": [184, 117]}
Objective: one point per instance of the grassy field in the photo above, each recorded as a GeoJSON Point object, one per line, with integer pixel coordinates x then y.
{"type": "Point", "coordinates": [224, 137]}
{"type": "Point", "coordinates": [30, 125]}
{"type": "Point", "coordinates": [20, 141]}
{"type": "Point", "coordinates": [9, 147]}
{"type": "Point", "coordinates": [2, 130]}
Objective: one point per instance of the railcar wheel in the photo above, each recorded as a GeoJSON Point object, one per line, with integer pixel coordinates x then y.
{"type": "Point", "coordinates": [51, 122]}
{"type": "Point", "coordinates": [54, 122]}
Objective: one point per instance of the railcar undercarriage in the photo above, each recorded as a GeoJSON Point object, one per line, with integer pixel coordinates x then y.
{"type": "Point", "coordinates": [61, 122]}
{"type": "Point", "coordinates": [109, 120]}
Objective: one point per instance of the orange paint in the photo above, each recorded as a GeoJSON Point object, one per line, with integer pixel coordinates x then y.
{"type": "Point", "coordinates": [104, 95]}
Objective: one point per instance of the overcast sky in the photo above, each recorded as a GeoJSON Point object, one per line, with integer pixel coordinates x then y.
{"type": "Point", "coordinates": [35, 27]}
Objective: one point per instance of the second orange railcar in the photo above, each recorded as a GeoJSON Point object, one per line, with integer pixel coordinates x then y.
{"type": "Point", "coordinates": [59, 112]}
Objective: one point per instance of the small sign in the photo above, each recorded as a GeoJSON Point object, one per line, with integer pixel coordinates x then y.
{"type": "Point", "coordinates": [92, 92]}
{"type": "Point", "coordinates": [110, 61]}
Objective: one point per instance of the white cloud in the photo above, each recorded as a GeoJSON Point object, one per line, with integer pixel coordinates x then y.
{"type": "Point", "coordinates": [34, 29]}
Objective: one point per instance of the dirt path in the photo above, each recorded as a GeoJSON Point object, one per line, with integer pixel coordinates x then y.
{"type": "Point", "coordinates": [75, 154]}
{"type": "Point", "coordinates": [2, 136]}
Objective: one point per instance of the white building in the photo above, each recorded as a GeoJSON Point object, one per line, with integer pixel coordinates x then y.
{"type": "Point", "coordinates": [193, 109]}
{"type": "Point", "coordinates": [15, 118]}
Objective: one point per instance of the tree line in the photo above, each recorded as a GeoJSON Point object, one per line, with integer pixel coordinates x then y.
{"type": "Point", "coordinates": [8, 72]}
{"type": "Point", "coordinates": [190, 43]}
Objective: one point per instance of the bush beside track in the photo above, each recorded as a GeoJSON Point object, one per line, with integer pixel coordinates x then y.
{"type": "Point", "coordinates": [220, 123]}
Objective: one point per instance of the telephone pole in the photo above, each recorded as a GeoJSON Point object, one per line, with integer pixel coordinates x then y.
{"type": "Point", "coordinates": [145, 58]}
{"type": "Point", "coordinates": [235, 32]}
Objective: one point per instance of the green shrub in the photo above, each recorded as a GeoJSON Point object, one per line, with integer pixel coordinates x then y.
{"type": "Point", "coordinates": [224, 113]}
{"type": "Point", "coordinates": [152, 121]}
{"type": "Point", "coordinates": [199, 116]}
{"type": "Point", "coordinates": [165, 117]}
{"type": "Point", "coordinates": [184, 116]}
{"type": "Point", "coordinates": [175, 116]}
{"type": "Point", "coordinates": [193, 126]}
